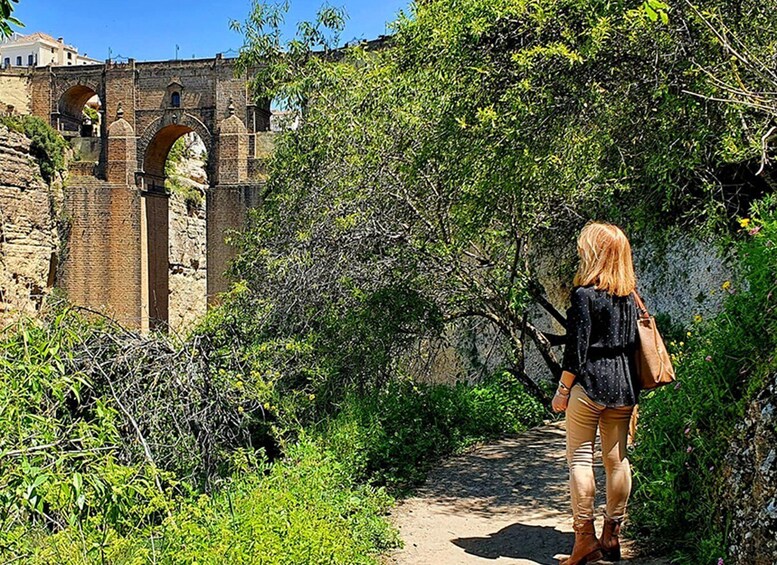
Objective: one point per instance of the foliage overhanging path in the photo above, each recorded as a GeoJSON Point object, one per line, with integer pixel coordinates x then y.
{"type": "Point", "coordinates": [504, 502]}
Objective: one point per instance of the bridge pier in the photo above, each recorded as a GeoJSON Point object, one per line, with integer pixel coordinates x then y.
{"type": "Point", "coordinates": [155, 272]}
{"type": "Point", "coordinates": [102, 263]}
{"type": "Point", "coordinates": [227, 210]}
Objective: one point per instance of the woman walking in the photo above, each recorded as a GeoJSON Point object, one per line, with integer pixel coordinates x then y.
{"type": "Point", "coordinates": [598, 386]}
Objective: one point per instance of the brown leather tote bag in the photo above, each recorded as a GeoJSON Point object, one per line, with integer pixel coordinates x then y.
{"type": "Point", "coordinates": [654, 366]}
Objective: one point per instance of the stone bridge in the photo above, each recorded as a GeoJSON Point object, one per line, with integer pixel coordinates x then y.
{"type": "Point", "coordinates": [117, 255]}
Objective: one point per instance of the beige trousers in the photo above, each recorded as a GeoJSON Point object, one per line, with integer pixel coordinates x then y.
{"type": "Point", "coordinates": [583, 415]}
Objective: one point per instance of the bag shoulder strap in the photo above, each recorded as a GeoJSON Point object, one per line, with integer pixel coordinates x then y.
{"type": "Point", "coordinates": [641, 305]}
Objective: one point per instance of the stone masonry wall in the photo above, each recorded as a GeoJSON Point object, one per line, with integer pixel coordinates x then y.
{"type": "Point", "coordinates": [102, 264]}
{"type": "Point", "coordinates": [28, 237]}
{"type": "Point", "coordinates": [15, 91]}
{"type": "Point", "coordinates": [228, 207]}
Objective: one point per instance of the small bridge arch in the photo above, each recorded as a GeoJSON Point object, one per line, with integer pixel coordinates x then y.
{"type": "Point", "coordinates": [69, 92]}
{"type": "Point", "coordinates": [157, 140]}
{"type": "Point", "coordinates": [71, 106]}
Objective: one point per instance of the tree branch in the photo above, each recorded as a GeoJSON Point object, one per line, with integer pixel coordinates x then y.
{"type": "Point", "coordinates": [538, 293]}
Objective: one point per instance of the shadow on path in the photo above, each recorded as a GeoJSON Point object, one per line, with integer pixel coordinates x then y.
{"type": "Point", "coordinates": [525, 471]}
{"type": "Point", "coordinates": [504, 502]}
{"type": "Point", "coordinates": [519, 541]}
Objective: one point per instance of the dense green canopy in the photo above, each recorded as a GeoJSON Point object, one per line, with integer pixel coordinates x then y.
{"type": "Point", "coordinates": [430, 171]}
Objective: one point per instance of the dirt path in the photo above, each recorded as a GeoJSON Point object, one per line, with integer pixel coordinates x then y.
{"type": "Point", "coordinates": [505, 502]}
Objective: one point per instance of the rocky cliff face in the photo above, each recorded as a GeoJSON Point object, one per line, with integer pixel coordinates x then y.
{"type": "Point", "coordinates": [187, 237]}
{"type": "Point", "coordinates": [750, 482]}
{"type": "Point", "coordinates": [188, 253]}
{"type": "Point", "coordinates": [28, 236]}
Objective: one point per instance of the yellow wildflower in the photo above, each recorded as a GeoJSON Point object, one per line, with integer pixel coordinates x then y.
{"type": "Point", "coordinates": [726, 285]}
{"type": "Point", "coordinates": [744, 222]}
{"type": "Point", "coordinates": [697, 318]}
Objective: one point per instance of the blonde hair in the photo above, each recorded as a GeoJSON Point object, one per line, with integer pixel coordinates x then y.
{"type": "Point", "coordinates": [605, 259]}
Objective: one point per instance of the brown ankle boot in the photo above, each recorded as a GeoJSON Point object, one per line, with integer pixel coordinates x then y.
{"type": "Point", "coordinates": [611, 547]}
{"type": "Point", "coordinates": [587, 549]}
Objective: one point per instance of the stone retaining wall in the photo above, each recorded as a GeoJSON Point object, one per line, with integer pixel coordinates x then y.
{"type": "Point", "coordinates": [15, 91]}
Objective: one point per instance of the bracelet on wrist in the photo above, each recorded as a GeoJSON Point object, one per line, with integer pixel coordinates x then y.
{"type": "Point", "coordinates": [559, 393]}
{"type": "Point", "coordinates": [563, 386]}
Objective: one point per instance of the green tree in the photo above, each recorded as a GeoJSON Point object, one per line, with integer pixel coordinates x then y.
{"type": "Point", "coordinates": [435, 167]}
{"type": "Point", "coordinates": [6, 17]}
{"type": "Point", "coordinates": [742, 77]}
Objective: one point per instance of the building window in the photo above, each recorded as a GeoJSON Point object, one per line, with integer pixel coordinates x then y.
{"type": "Point", "coordinates": [69, 55]}
{"type": "Point", "coordinates": [19, 61]}
{"type": "Point", "coordinates": [30, 60]}
{"type": "Point", "coordinates": [175, 100]}
{"type": "Point", "coordinates": [52, 50]}
{"type": "Point", "coordinates": [7, 62]}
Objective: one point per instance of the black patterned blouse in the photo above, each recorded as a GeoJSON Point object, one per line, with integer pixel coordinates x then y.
{"type": "Point", "coordinates": [601, 342]}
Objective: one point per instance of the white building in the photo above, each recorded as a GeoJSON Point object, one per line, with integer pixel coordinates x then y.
{"type": "Point", "coordinates": [40, 50]}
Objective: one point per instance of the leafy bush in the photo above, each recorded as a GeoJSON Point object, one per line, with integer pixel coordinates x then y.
{"type": "Point", "coordinates": [393, 436]}
{"type": "Point", "coordinates": [152, 401]}
{"type": "Point", "coordinates": [192, 195]}
{"type": "Point", "coordinates": [47, 145]}
{"type": "Point", "coordinates": [60, 445]}
{"type": "Point", "coordinates": [305, 508]}
{"type": "Point", "coordinates": [684, 430]}
{"type": "Point", "coordinates": [302, 374]}
{"type": "Point", "coordinates": [92, 114]}
{"type": "Point", "coordinates": [107, 440]}
{"type": "Point", "coordinates": [125, 448]}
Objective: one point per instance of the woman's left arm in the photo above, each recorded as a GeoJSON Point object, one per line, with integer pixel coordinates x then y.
{"type": "Point", "coordinates": [576, 350]}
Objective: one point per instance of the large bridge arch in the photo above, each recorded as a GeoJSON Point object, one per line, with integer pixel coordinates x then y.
{"type": "Point", "coordinates": [156, 141]}
{"type": "Point", "coordinates": [153, 151]}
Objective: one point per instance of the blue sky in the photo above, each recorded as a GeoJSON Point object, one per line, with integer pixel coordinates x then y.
{"type": "Point", "coordinates": [150, 29]}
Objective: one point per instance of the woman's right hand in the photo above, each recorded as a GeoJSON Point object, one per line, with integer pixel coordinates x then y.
{"type": "Point", "coordinates": [560, 402]}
